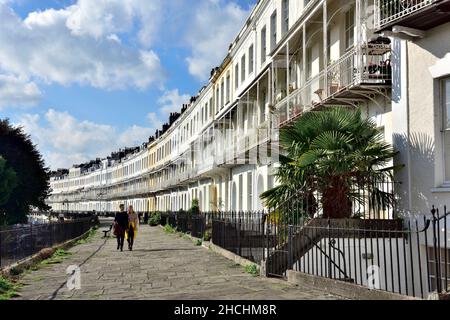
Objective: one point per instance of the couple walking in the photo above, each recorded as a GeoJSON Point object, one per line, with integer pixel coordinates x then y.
{"type": "Point", "coordinates": [125, 227]}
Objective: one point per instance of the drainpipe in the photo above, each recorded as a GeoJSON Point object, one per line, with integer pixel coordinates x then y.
{"type": "Point", "coordinates": [408, 129]}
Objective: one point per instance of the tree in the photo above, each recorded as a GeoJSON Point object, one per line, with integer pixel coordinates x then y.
{"type": "Point", "coordinates": [33, 185]}
{"type": "Point", "coordinates": [8, 181]}
{"type": "Point", "coordinates": [329, 156]}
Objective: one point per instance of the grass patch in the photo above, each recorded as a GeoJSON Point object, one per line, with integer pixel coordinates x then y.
{"type": "Point", "coordinates": [169, 229]}
{"type": "Point", "coordinates": [7, 289]}
{"type": "Point", "coordinates": [252, 269]}
{"type": "Point", "coordinates": [88, 238]}
{"type": "Point", "coordinates": [198, 242]}
{"type": "Point", "coordinates": [57, 257]}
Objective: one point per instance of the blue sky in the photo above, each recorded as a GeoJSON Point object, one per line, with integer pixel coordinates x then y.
{"type": "Point", "coordinates": [87, 77]}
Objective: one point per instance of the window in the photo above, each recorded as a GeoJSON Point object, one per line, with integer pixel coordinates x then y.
{"type": "Point", "coordinates": [308, 63]}
{"type": "Point", "coordinates": [350, 28]}
{"type": "Point", "coordinates": [273, 30]}
{"type": "Point", "coordinates": [329, 46]}
{"type": "Point", "coordinates": [228, 87]}
{"type": "Point", "coordinates": [263, 45]}
{"type": "Point", "coordinates": [243, 68]}
{"type": "Point", "coordinates": [217, 99]}
{"type": "Point", "coordinates": [251, 60]}
{"type": "Point", "coordinates": [222, 93]}
{"type": "Point", "coordinates": [249, 191]}
{"type": "Point", "coordinates": [285, 18]}
{"type": "Point", "coordinates": [240, 192]}
{"type": "Point", "coordinates": [446, 125]}
{"type": "Point", "coordinates": [211, 108]}
{"type": "Point", "coordinates": [236, 76]}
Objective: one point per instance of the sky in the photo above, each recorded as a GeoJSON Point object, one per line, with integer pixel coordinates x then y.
{"type": "Point", "coordinates": [85, 78]}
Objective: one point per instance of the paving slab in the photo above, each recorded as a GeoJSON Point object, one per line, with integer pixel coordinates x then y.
{"type": "Point", "coordinates": [161, 266]}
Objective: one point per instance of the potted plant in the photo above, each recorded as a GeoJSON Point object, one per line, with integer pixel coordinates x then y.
{"type": "Point", "coordinates": [333, 78]}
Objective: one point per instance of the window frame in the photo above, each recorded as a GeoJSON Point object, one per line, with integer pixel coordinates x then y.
{"type": "Point", "coordinates": [243, 68]}
{"type": "Point", "coordinates": [285, 17]}
{"type": "Point", "coordinates": [251, 59]}
{"type": "Point", "coordinates": [445, 125]}
{"type": "Point", "coordinates": [236, 76]}
{"type": "Point", "coordinates": [349, 28]}
{"type": "Point", "coordinates": [273, 30]}
{"type": "Point", "coordinates": [263, 44]}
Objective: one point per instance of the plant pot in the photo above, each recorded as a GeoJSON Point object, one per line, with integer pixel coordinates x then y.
{"type": "Point", "coordinates": [334, 87]}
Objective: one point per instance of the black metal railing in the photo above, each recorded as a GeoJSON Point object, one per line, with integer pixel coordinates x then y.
{"type": "Point", "coordinates": [241, 233]}
{"type": "Point", "coordinates": [194, 224]}
{"type": "Point", "coordinates": [408, 256]}
{"type": "Point", "coordinates": [17, 243]}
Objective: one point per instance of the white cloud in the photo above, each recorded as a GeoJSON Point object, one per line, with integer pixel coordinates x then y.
{"type": "Point", "coordinates": [17, 91]}
{"type": "Point", "coordinates": [43, 47]}
{"type": "Point", "coordinates": [172, 101]}
{"type": "Point", "coordinates": [154, 120]}
{"type": "Point", "coordinates": [65, 140]}
{"type": "Point", "coordinates": [213, 27]}
{"type": "Point", "coordinates": [109, 44]}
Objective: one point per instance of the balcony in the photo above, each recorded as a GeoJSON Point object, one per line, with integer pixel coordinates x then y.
{"type": "Point", "coordinates": [416, 14]}
{"type": "Point", "coordinates": [359, 75]}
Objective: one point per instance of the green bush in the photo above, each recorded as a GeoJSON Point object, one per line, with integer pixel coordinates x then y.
{"type": "Point", "coordinates": [7, 289]}
{"type": "Point", "coordinates": [169, 229]}
{"type": "Point", "coordinates": [155, 219]}
{"type": "Point", "coordinates": [252, 269]}
{"type": "Point", "coordinates": [207, 236]}
{"type": "Point", "coordinates": [195, 207]}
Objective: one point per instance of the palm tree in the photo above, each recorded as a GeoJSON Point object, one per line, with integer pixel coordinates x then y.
{"type": "Point", "coordinates": [332, 155]}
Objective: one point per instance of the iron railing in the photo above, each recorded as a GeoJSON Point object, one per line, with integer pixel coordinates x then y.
{"type": "Point", "coordinates": [17, 243]}
{"type": "Point", "coordinates": [366, 64]}
{"type": "Point", "coordinates": [241, 233]}
{"type": "Point", "coordinates": [391, 11]}
{"type": "Point", "coordinates": [194, 224]}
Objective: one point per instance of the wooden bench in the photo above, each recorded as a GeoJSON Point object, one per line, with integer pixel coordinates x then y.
{"type": "Point", "coordinates": [107, 232]}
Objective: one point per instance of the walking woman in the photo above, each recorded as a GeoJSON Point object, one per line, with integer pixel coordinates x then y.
{"type": "Point", "coordinates": [120, 226]}
{"type": "Point", "coordinates": [133, 225]}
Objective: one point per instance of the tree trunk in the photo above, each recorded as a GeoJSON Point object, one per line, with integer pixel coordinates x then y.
{"type": "Point", "coordinates": [336, 201]}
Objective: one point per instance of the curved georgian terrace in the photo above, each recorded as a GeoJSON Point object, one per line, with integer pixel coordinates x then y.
{"type": "Point", "coordinates": [390, 59]}
{"type": "Point", "coordinates": [289, 58]}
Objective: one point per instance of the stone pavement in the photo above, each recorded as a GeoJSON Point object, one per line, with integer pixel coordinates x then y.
{"type": "Point", "coordinates": [161, 266]}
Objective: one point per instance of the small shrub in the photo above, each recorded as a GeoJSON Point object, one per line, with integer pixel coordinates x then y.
{"type": "Point", "coordinates": [57, 257]}
{"type": "Point", "coordinates": [155, 219]}
{"type": "Point", "coordinates": [198, 242]}
{"type": "Point", "coordinates": [169, 229]}
{"type": "Point", "coordinates": [7, 289]}
{"type": "Point", "coordinates": [252, 269]}
{"type": "Point", "coordinates": [207, 236]}
{"type": "Point", "coordinates": [15, 271]}
{"type": "Point", "coordinates": [195, 207]}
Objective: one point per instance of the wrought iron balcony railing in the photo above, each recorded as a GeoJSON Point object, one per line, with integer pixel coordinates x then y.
{"type": "Point", "coordinates": [393, 11]}
{"type": "Point", "coordinates": [367, 65]}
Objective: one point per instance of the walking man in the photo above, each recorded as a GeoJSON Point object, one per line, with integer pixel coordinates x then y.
{"type": "Point", "coordinates": [120, 226]}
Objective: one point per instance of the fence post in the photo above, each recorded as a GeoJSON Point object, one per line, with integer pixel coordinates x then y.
{"type": "Point", "coordinates": [330, 274]}
{"type": "Point", "coordinates": [0, 248]}
{"type": "Point", "coordinates": [239, 235]}
{"type": "Point", "coordinates": [290, 247]}
{"type": "Point", "coordinates": [31, 237]}
{"type": "Point", "coordinates": [435, 249]}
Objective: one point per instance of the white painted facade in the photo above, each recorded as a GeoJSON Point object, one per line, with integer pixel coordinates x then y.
{"type": "Point", "coordinates": [325, 46]}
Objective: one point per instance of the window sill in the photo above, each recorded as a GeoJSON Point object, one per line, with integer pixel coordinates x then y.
{"type": "Point", "coordinates": [445, 188]}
